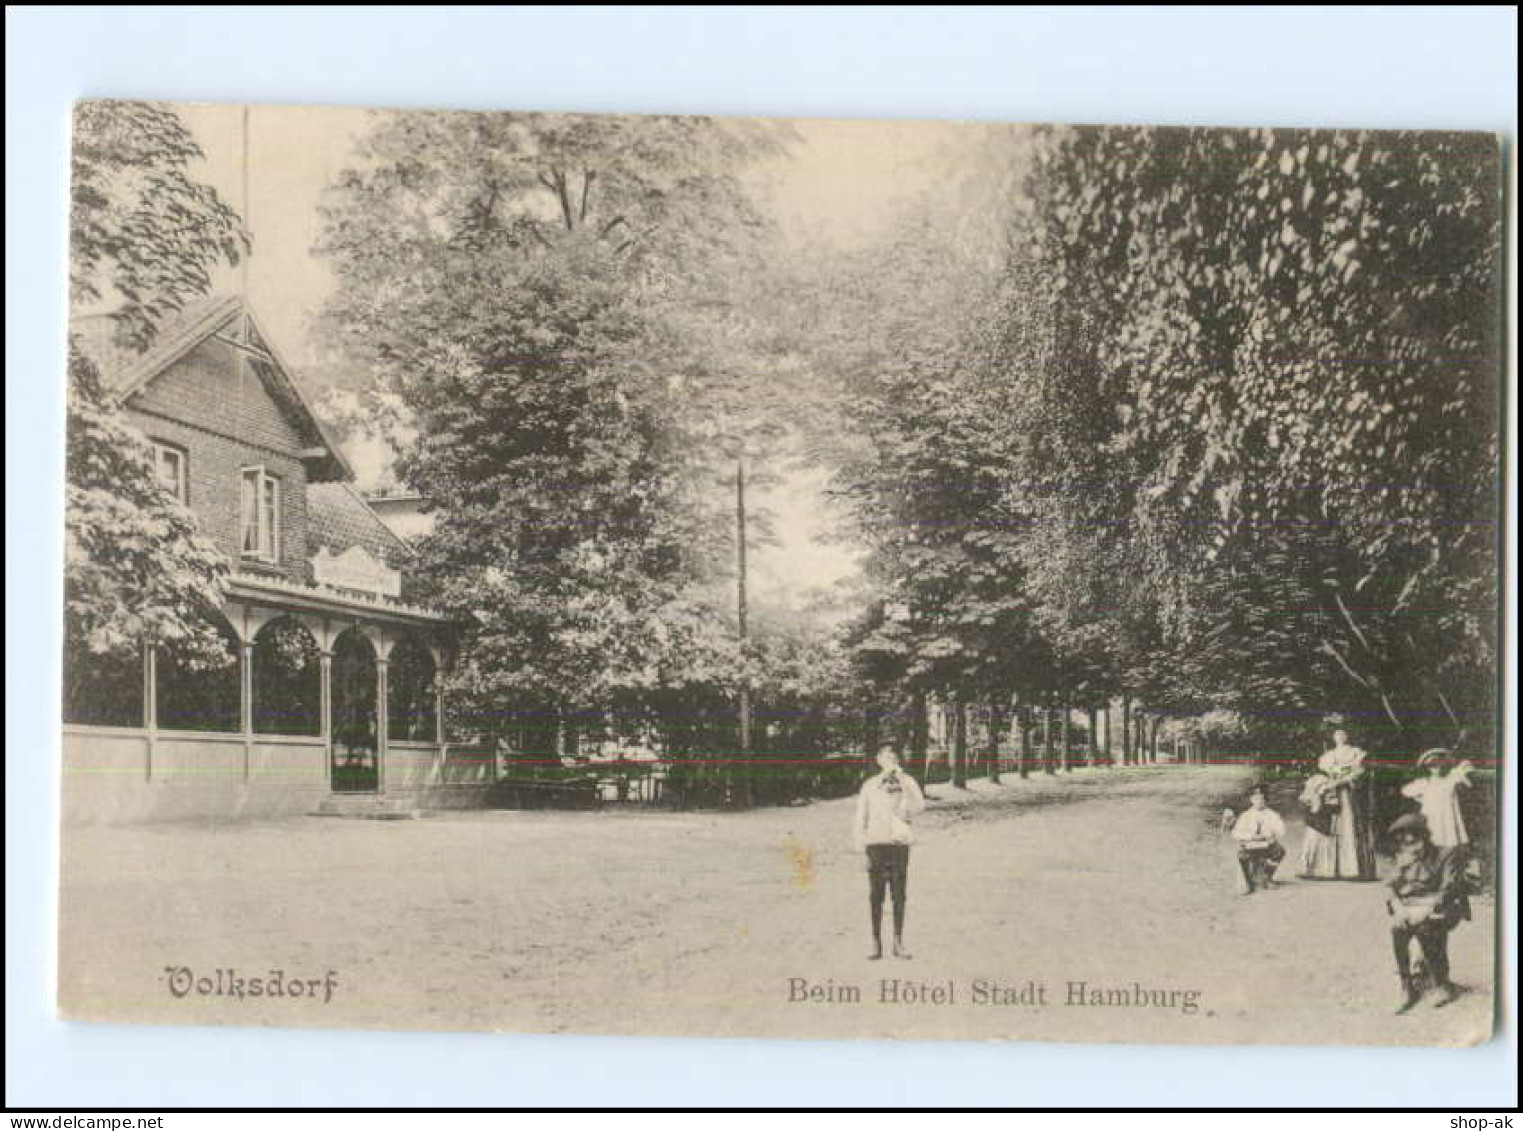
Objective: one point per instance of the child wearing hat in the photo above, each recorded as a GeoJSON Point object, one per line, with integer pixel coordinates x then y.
{"type": "Point", "coordinates": [1429, 897]}
{"type": "Point", "coordinates": [1437, 795]}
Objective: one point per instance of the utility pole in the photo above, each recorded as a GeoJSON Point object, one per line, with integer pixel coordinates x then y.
{"type": "Point", "coordinates": [248, 211]}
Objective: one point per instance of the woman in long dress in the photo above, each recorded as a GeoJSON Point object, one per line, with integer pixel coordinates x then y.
{"type": "Point", "coordinates": [1350, 851]}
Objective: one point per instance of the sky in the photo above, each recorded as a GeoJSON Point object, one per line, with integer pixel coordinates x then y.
{"type": "Point", "coordinates": [842, 184]}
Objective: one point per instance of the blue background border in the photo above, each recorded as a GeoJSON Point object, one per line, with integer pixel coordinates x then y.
{"type": "Point", "coordinates": [1422, 67]}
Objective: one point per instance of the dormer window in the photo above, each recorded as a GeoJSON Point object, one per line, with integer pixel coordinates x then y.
{"type": "Point", "coordinates": [260, 500]}
{"type": "Point", "coordinates": [169, 464]}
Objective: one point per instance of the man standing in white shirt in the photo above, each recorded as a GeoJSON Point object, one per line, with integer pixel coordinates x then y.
{"type": "Point", "coordinates": [885, 806]}
{"type": "Point", "coordinates": [1260, 834]}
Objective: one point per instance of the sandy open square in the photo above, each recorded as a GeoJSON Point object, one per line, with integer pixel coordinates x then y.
{"type": "Point", "coordinates": [709, 923]}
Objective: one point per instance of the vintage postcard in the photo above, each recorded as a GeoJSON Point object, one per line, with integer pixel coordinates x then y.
{"type": "Point", "coordinates": [541, 572]}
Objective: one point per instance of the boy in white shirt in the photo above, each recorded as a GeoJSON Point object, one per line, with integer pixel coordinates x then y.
{"type": "Point", "coordinates": [1260, 834]}
{"type": "Point", "coordinates": [881, 826]}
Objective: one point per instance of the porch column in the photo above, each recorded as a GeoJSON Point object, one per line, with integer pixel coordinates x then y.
{"type": "Point", "coordinates": [246, 702]}
{"type": "Point", "coordinates": [382, 719]}
{"type": "Point", "coordinates": [325, 702]}
{"type": "Point", "coordinates": [150, 704]}
{"type": "Point", "coordinates": [440, 659]}
{"type": "Point", "coordinates": [443, 750]}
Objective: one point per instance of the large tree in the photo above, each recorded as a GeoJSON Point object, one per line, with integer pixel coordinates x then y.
{"type": "Point", "coordinates": [1292, 339]}
{"type": "Point", "coordinates": [1220, 433]}
{"type": "Point", "coordinates": [540, 293]}
{"type": "Point", "coordinates": [145, 237]}
{"type": "Point", "coordinates": [927, 461]}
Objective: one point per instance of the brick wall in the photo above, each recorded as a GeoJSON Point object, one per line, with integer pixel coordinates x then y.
{"type": "Point", "coordinates": [214, 387]}
{"type": "Point", "coordinates": [225, 425]}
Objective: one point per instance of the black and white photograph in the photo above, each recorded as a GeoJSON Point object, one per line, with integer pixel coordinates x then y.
{"type": "Point", "coordinates": [701, 576]}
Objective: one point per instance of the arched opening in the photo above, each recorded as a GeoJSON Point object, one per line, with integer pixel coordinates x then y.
{"type": "Point", "coordinates": [200, 693]}
{"type": "Point", "coordinates": [356, 733]}
{"type": "Point", "coordinates": [103, 689]}
{"type": "Point", "coordinates": [410, 692]}
{"type": "Point", "coordinates": [287, 680]}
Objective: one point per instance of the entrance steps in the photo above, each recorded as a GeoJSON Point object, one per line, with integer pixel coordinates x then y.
{"type": "Point", "coordinates": [366, 807]}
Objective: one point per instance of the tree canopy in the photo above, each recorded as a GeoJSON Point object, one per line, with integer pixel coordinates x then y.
{"type": "Point", "coordinates": [548, 295]}
{"type": "Point", "coordinates": [1202, 418]}
{"type": "Point", "coordinates": [144, 238]}
{"type": "Point", "coordinates": [1219, 430]}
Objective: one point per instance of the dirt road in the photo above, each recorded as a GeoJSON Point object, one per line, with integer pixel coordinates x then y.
{"type": "Point", "coordinates": [715, 924]}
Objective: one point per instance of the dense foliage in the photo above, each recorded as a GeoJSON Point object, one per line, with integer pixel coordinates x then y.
{"type": "Point", "coordinates": [144, 238]}
{"type": "Point", "coordinates": [1220, 432]}
{"type": "Point", "coordinates": [1198, 424]}
{"type": "Point", "coordinates": [552, 299]}
{"type": "Point", "coordinates": [1292, 339]}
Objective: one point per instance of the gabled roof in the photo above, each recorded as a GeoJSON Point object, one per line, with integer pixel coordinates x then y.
{"type": "Point", "coordinates": [126, 373]}
{"type": "Point", "coordinates": [338, 517]}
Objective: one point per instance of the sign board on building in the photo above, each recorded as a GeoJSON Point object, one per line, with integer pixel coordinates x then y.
{"type": "Point", "coordinates": [356, 569]}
